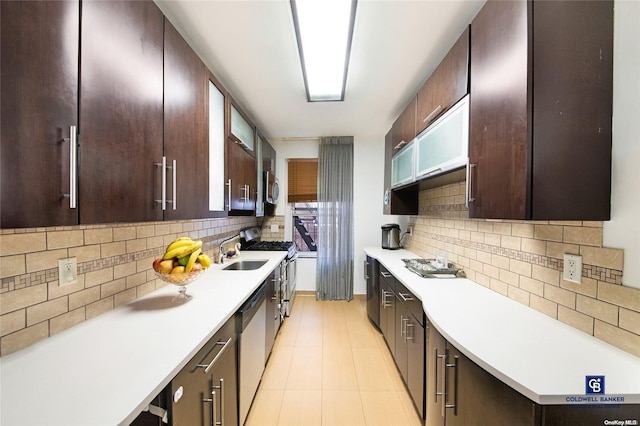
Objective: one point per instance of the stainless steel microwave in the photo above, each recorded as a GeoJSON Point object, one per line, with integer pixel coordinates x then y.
{"type": "Point", "coordinates": [272, 188]}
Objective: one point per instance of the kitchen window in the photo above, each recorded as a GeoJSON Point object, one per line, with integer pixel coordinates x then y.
{"type": "Point", "coordinates": [305, 228]}
{"type": "Point", "coordinates": [302, 195]}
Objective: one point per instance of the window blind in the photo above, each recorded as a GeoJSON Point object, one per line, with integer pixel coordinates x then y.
{"type": "Point", "coordinates": [302, 180]}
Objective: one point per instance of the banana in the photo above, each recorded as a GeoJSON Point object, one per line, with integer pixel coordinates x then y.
{"type": "Point", "coordinates": [180, 242]}
{"type": "Point", "coordinates": [182, 251]}
{"type": "Point", "coordinates": [192, 260]}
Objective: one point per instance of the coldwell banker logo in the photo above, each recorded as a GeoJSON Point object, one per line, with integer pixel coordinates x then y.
{"type": "Point", "coordinates": [594, 385]}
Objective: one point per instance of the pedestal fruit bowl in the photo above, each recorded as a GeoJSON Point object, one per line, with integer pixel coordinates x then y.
{"type": "Point", "coordinates": [182, 263]}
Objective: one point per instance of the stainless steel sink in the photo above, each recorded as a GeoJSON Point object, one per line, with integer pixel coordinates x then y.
{"type": "Point", "coordinates": [245, 265]}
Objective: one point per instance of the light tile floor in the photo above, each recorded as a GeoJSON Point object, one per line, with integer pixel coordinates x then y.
{"type": "Point", "coordinates": [331, 367]}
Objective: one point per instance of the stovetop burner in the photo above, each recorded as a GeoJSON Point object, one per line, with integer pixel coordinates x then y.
{"type": "Point", "coordinates": [288, 246]}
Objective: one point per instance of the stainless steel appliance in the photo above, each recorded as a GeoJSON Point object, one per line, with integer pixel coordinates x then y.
{"type": "Point", "coordinates": [391, 236]}
{"type": "Point", "coordinates": [251, 344]}
{"type": "Point", "coordinates": [271, 188]}
{"type": "Point", "coordinates": [250, 239]}
{"type": "Point", "coordinates": [371, 275]}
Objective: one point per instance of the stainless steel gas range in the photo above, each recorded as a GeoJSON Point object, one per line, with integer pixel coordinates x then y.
{"type": "Point", "coordinates": [251, 240]}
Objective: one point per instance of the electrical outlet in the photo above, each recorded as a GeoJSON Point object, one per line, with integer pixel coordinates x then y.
{"type": "Point", "coordinates": [274, 228]}
{"type": "Point", "coordinates": [409, 229]}
{"type": "Point", "coordinates": [572, 268]}
{"type": "Point", "coordinates": [67, 271]}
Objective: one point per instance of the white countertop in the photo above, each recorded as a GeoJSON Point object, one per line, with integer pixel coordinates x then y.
{"type": "Point", "coordinates": [106, 370]}
{"type": "Point", "coordinates": [540, 357]}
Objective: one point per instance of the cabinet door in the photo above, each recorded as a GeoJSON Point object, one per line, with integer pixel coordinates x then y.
{"type": "Point", "coordinates": [121, 111]}
{"type": "Point", "coordinates": [185, 128]}
{"type": "Point", "coordinates": [225, 384]}
{"type": "Point", "coordinates": [39, 86]}
{"type": "Point", "coordinates": [416, 362]}
{"type": "Point", "coordinates": [572, 69]}
{"type": "Point", "coordinates": [447, 85]}
{"type": "Point", "coordinates": [402, 166]}
{"type": "Point", "coordinates": [241, 179]}
{"type": "Point", "coordinates": [388, 312]}
{"type": "Point", "coordinates": [434, 376]}
{"type": "Point", "coordinates": [404, 128]}
{"type": "Point", "coordinates": [396, 201]}
{"type": "Point", "coordinates": [241, 130]}
{"type": "Point", "coordinates": [217, 149]}
{"type": "Point", "coordinates": [499, 118]}
{"type": "Point", "coordinates": [401, 356]}
{"type": "Point", "coordinates": [477, 397]}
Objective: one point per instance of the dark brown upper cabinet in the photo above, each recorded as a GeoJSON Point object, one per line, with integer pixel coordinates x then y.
{"type": "Point", "coordinates": [186, 125]}
{"type": "Point", "coordinates": [121, 111]}
{"type": "Point", "coordinates": [403, 130]}
{"type": "Point", "coordinates": [39, 111]}
{"type": "Point", "coordinates": [541, 109]}
{"type": "Point", "coordinates": [241, 163]}
{"type": "Point", "coordinates": [447, 84]}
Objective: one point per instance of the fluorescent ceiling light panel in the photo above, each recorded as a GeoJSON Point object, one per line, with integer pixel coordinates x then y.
{"type": "Point", "coordinates": [324, 29]}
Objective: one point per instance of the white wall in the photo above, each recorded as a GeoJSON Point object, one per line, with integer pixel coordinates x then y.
{"type": "Point", "coordinates": [623, 231]}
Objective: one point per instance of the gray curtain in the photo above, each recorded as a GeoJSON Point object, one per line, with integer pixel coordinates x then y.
{"type": "Point", "coordinates": [334, 276]}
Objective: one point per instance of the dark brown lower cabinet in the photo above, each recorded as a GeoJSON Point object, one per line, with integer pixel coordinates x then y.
{"type": "Point", "coordinates": [461, 393]}
{"type": "Point", "coordinates": [388, 309]}
{"type": "Point", "coordinates": [204, 392]}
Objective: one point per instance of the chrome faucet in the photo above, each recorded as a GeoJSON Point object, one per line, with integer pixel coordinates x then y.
{"type": "Point", "coordinates": [221, 254]}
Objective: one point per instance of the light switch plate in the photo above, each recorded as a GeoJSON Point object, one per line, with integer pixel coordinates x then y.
{"type": "Point", "coordinates": [274, 228]}
{"type": "Point", "coordinates": [67, 271]}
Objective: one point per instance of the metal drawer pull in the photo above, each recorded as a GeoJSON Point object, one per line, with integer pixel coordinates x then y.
{"type": "Point", "coordinates": [224, 345]}
{"type": "Point", "coordinates": [400, 145]}
{"type": "Point", "coordinates": [455, 390]}
{"type": "Point", "coordinates": [436, 357]}
{"type": "Point", "coordinates": [433, 113]}
{"type": "Point", "coordinates": [385, 274]}
{"type": "Point", "coordinates": [163, 199]}
{"type": "Point", "coordinates": [470, 191]}
{"type": "Point", "coordinates": [221, 388]}
{"type": "Point", "coordinates": [408, 337]}
{"type": "Point", "coordinates": [73, 167]}
{"type": "Point", "coordinates": [229, 194]}
{"type": "Point", "coordinates": [174, 168]}
{"type": "Point", "coordinates": [406, 297]}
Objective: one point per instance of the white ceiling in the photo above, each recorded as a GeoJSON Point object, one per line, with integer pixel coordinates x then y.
{"type": "Point", "coordinates": [251, 48]}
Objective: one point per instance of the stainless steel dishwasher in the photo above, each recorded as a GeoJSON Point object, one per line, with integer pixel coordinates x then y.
{"type": "Point", "coordinates": [252, 341]}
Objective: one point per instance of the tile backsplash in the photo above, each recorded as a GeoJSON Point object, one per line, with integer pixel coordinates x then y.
{"type": "Point", "coordinates": [523, 260]}
{"type": "Point", "coordinates": [114, 268]}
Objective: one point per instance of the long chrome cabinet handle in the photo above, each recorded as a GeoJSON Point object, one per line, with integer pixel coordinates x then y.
{"type": "Point", "coordinates": [212, 410]}
{"type": "Point", "coordinates": [224, 345]}
{"type": "Point", "coordinates": [73, 167]}
{"type": "Point", "coordinates": [432, 114]}
{"type": "Point", "coordinates": [455, 381]}
{"type": "Point", "coordinates": [220, 387]}
{"type": "Point", "coordinates": [408, 337]}
{"type": "Point", "coordinates": [470, 190]}
{"type": "Point", "coordinates": [174, 169]}
{"type": "Point", "coordinates": [229, 194]}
